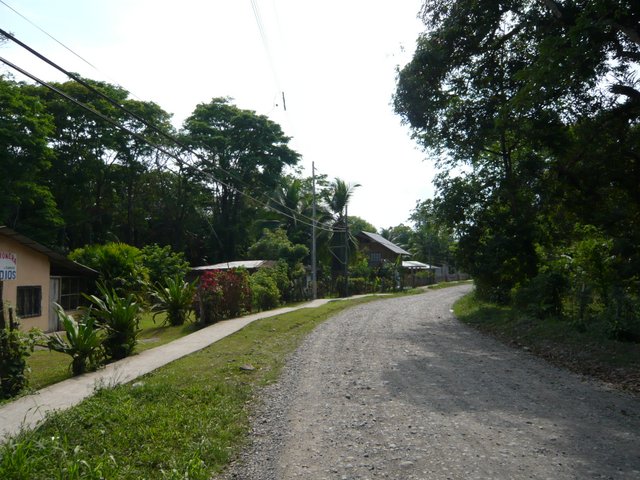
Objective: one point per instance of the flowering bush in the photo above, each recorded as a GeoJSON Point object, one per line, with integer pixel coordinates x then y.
{"type": "Point", "coordinates": [222, 294]}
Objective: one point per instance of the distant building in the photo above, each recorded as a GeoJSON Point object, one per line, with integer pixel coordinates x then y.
{"type": "Point", "coordinates": [378, 249]}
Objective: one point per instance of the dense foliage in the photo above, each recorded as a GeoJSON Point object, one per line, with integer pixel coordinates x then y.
{"type": "Point", "coordinates": [15, 347]}
{"type": "Point", "coordinates": [120, 266]}
{"type": "Point", "coordinates": [119, 316]}
{"type": "Point", "coordinates": [265, 293]}
{"type": "Point", "coordinates": [83, 341]}
{"type": "Point", "coordinates": [70, 179]}
{"type": "Point", "coordinates": [532, 111]}
{"type": "Point", "coordinates": [161, 262]}
{"type": "Point", "coordinates": [222, 294]}
{"type": "Point", "coordinates": [173, 296]}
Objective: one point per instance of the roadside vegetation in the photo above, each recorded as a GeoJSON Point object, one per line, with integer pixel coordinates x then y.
{"type": "Point", "coordinates": [562, 342]}
{"type": "Point", "coordinates": [47, 367]}
{"type": "Point", "coordinates": [537, 156]}
{"type": "Point", "coordinates": [185, 420]}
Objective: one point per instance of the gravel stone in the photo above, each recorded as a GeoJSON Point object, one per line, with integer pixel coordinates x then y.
{"type": "Point", "coordinates": [399, 389]}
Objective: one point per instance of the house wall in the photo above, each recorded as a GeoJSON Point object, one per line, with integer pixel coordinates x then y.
{"type": "Point", "coordinates": [385, 253]}
{"type": "Point", "coordinates": [33, 270]}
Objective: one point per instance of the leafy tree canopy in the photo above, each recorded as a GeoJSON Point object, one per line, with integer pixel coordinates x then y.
{"type": "Point", "coordinates": [238, 151]}
{"type": "Point", "coordinates": [533, 99]}
{"type": "Point", "coordinates": [27, 202]}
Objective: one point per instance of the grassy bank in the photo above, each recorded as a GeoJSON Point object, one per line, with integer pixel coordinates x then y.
{"type": "Point", "coordinates": [587, 353]}
{"type": "Point", "coordinates": [47, 367]}
{"type": "Point", "coordinates": [184, 420]}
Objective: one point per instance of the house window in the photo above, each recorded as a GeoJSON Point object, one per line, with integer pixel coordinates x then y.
{"type": "Point", "coordinates": [30, 301]}
{"type": "Point", "coordinates": [70, 288]}
{"type": "Point", "coordinates": [375, 258]}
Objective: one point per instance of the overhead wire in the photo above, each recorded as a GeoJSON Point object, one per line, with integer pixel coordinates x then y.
{"type": "Point", "coordinates": [263, 35]}
{"type": "Point", "coordinates": [296, 215]}
{"type": "Point", "coordinates": [48, 34]}
{"type": "Point", "coordinates": [118, 105]}
{"type": "Point", "coordinates": [113, 102]}
{"type": "Point", "coordinates": [265, 43]}
{"type": "Point", "coordinates": [66, 47]}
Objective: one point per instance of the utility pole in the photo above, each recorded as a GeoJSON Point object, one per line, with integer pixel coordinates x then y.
{"type": "Point", "coordinates": [314, 275]}
{"type": "Point", "coordinates": [346, 252]}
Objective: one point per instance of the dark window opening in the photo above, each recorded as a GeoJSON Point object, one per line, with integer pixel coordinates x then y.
{"type": "Point", "coordinates": [30, 301]}
{"type": "Point", "coordinates": [71, 292]}
{"type": "Point", "coordinates": [375, 258]}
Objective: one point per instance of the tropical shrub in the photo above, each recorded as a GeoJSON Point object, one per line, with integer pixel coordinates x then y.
{"type": "Point", "coordinates": [275, 245]}
{"type": "Point", "coordinates": [120, 266]}
{"type": "Point", "coordinates": [542, 296]}
{"type": "Point", "coordinates": [357, 285]}
{"type": "Point", "coordinates": [175, 297]}
{"type": "Point", "coordinates": [15, 347]}
{"type": "Point", "coordinates": [222, 294]}
{"type": "Point", "coordinates": [83, 341]}
{"type": "Point", "coordinates": [162, 262]}
{"type": "Point", "coordinates": [265, 294]}
{"type": "Point", "coordinates": [120, 317]}
{"type": "Point", "coordinates": [426, 277]}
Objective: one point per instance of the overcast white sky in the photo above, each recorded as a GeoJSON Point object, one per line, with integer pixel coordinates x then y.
{"type": "Point", "coordinates": [335, 61]}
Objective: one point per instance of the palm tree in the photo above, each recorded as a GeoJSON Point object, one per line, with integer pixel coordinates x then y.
{"type": "Point", "coordinates": [340, 193]}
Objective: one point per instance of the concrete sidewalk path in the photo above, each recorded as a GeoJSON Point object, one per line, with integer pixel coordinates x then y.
{"type": "Point", "coordinates": [28, 411]}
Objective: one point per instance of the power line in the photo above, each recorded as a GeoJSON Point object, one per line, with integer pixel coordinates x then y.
{"type": "Point", "coordinates": [48, 34]}
{"type": "Point", "coordinates": [148, 142]}
{"type": "Point", "coordinates": [265, 42]}
{"type": "Point", "coordinates": [69, 49]}
{"type": "Point", "coordinates": [153, 127]}
{"type": "Point", "coordinates": [78, 79]}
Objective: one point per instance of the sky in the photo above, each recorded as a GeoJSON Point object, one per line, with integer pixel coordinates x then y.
{"type": "Point", "coordinates": [334, 60]}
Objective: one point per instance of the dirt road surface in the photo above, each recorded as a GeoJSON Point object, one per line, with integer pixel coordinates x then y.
{"type": "Point", "coordinates": [399, 389]}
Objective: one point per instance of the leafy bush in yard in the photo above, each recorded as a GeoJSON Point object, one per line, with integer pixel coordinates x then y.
{"type": "Point", "coordinates": [264, 290]}
{"type": "Point", "coordinates": [162, 262]}
{"type": "Point", "coordinates": [222, 294]}
{"type": "Point", "coordinates": [83, 341]}
{"type": "Point", "coordinates": [119, 316]}
{"type": "Point", "coordinates": [275, 245]}
{"type": "Point", "coordinates": [357, 285]}
{"type": "Point", "coordinates": [15, 347]}
{"type": "Point", "coordinates": [175, 297]}
{"type": "Point", "coordinates": [120, 266]}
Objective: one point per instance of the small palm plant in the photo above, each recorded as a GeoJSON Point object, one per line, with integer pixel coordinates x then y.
{"type": "Point", "coordinates": [120, 317]}
{"type": "Point", "coordinates": [83, 341]}
{"type": "Point", "coordinates": [175, 297]}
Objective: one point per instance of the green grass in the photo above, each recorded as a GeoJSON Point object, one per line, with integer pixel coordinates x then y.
{"type": "Point", "coordinates": [47, 368]}
{"type": "Point", "coordinates": [185, 420]}
{"type": "Point", "coordinates": [557, 340]}
{"type": "Point", "coordinates": [438, 286]}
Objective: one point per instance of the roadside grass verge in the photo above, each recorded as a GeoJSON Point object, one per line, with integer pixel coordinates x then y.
{"type": "Point", "coordinates": [438, 286]}
{"type": "Point", "coordinates": [185, 420]}
{"type": "Point", "coordinates": [47, 368]}
{"type": "Point", "coordinates": [558, 341]}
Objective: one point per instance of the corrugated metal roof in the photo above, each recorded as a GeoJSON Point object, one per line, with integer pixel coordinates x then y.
{"type": "Point", "coordinates": [383, 241]}
{"type": "Point", "coordinates": [415, 265]}
{"type": "Point", "coordinates": [248, 264]}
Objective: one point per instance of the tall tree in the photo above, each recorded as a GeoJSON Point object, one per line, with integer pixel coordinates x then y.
{"type": "Point", "coordinates": [505, 88]}
{"type": "Point", "coordinates": [25, 162]}
{"type": "Point", "coordinates": [339, 196]}
{"type": "Point", "coordinates": [97, 168]}
{"type": "Point", "coordinates": [240, 155]}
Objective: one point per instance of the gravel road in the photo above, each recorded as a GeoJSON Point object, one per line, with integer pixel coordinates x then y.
{"type": "Point", "coordinates": [400, 389]}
